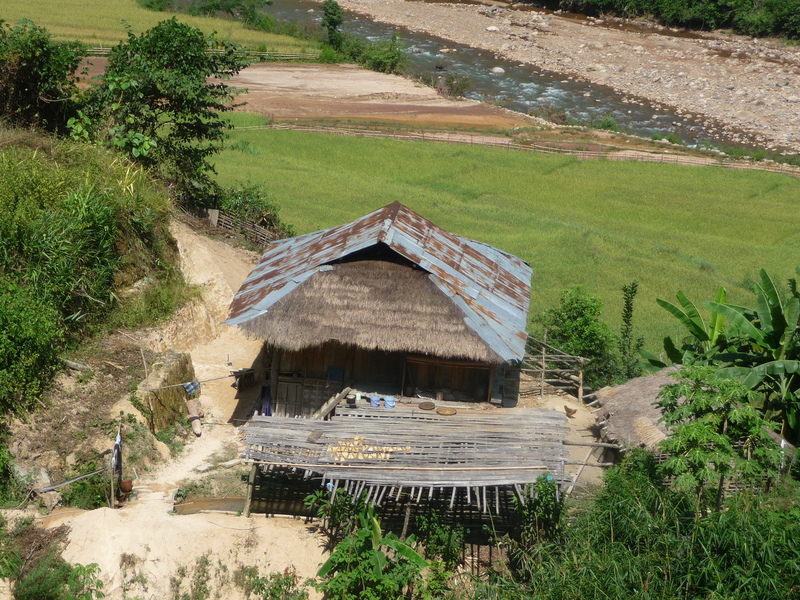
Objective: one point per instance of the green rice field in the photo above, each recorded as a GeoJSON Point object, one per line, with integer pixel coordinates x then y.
{"type": "Point", "coordinates": [101, 23]}
{"type": "Point", "coordinates": [597, 224]}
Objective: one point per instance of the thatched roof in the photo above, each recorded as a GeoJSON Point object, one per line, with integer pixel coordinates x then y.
{"type": "Point", "coordinates": [489, 288]}
{"type": "Point", "coordinates": [629, 415]}
{"type": "Point", "coordinates": [375, 305]}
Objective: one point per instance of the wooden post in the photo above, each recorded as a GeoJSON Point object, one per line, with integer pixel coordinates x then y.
{"type": "Point", "coordinates": [274, 368]}
{"type": "Point", "coordinates": [251, 482]}
{"type": "Point", "coordinates": [580, 381]}
{"type": "Point", "coordinates": [544, 363]}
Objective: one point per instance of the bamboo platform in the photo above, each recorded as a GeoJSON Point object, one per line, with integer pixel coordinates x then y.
{"type": "Point", "coordinates": [416, 453]}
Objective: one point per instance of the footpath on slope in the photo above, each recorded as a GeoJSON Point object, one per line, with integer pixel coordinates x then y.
{"type": "Point", "coordinates": [142, 546]}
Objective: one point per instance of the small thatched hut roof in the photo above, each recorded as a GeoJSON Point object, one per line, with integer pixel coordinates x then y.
{"type": "Point", "coordinates": [433, 292]}
{"type": "Point", "coordinates": [629, 415]}
{"type": "Point", "coordinates": [371, 304]}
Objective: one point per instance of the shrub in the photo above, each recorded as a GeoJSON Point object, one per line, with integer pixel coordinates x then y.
{"type": "Point", "coordinates": [30, 335]}
{"type": "Point", "coordinates": [575, 327]}
{"type": "Point", "coordinates": [38, 76]}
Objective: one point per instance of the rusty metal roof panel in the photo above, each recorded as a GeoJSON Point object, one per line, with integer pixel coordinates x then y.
{"type": "Point", "coordinates": [490, 286]}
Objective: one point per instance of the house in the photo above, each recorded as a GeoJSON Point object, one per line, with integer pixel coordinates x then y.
{"type": "Point", "coordinates": [389, 304]}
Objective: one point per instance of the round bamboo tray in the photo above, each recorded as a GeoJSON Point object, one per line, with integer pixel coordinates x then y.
{"type": "Point", "coordinates": [446, 411]}
{"type": "Point", "coordinates": [426, 406]}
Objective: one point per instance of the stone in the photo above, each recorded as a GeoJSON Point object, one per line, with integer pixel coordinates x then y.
{"type": "Point", "coordinates": [204, 467]}
{"type": "Point", "coordinates": [498, 70]}
{"type": "Point", "coordinates": [492, 28]}
{"type": "Point", "coordinates": [231, 463]}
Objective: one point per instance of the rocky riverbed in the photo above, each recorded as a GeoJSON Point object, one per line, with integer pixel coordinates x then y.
{"type": "Point", "coordinates": [744, 90]}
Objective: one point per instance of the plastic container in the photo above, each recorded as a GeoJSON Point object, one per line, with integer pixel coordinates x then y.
{"type": "Point", "coordinates": [388, 402]}
{"type": "Point", "coordinates": [374, 401]}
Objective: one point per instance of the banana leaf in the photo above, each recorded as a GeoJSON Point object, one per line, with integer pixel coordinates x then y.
{"type": "Point", "coordinates": [739, 321]}
{"type": "Point", "coordinates": [689, 317]}
{"type": "Point", "coordinates": [716, 323]}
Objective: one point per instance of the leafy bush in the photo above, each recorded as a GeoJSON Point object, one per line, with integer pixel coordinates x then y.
{"type": "Point", "coordinates": [608, 123]}
{"type": "Point", "coordinates": [441, 542]}
{"type": "Point", "coordinates": [368, 565]}
{"type": "Point", "coordinates": [156, 103]}
{"type": "Point", "coordinates": [250, 202]}
{"type": "Point", "coordinates": [30, 334]}
{"type": "Point", "coordinates": [38, 76]}
{"type": "Point", "coordinates": [770, 17]}
{"type": "Point", "coordinates": [575, 327]}
{"type": "Point", "coordinates": [641, 539]}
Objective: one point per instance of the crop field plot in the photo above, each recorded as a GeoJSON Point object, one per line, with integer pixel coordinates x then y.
{"type": "Point", "coordinates": [597, 224]}
{"type": "Point", "coordinates": [102, 23]}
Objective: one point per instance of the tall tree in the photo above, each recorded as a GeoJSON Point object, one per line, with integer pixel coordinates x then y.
{"type": "Point", "coordinates": [160, 101]}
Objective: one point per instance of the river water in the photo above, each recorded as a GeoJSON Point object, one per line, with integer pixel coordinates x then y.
{"type": "Point", "coordinates": [521, 88]}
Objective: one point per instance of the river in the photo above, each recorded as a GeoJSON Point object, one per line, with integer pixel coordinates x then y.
{"type": "Point", "coordinates": [521, 88]}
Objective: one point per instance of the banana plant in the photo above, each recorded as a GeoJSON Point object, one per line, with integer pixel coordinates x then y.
{"type": "Point", "coordinates": [769, 350]}
{"type": "Point", "coordinates": [757, 346]}
{"type": "Point", "coordinates": [703, 341]}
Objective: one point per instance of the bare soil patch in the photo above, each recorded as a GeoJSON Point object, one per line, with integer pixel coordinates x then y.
{"type": "Point", "coordinates": [347, 93]}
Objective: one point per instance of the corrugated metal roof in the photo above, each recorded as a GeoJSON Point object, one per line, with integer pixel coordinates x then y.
{"type": "Point", "coordinates": [490, 286]}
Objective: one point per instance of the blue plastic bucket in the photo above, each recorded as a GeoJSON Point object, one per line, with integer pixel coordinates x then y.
{"type": "Point", "coordinates": [388, 402]}
{"type": "Point", "coordinates": [374, 401]}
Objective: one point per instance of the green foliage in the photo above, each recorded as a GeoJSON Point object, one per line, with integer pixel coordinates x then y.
{"type": "Point", "coordinates": [384, 57]}
{"type": "Point", "coordinates": [251, 202]}
{"type": "Point", "coordinates": [607, 123]}
{"type": "Point", "coordinates": [640, 539]}
{"type": "Point", "coordinates": [536, 522]}
{"type": "Point", "coordinates": [442, 542]}
{"type": "Point", "coordinates": [765, 18]}
{"type": "Point", "coordinates": [715, 435]}
{"type": "Point", "coordinates": [65, 248]}
{"type": "Point", "coordinates": [10, 560]}
{"type": "Point", "coordinates": [173, 437]}
{"type": "Point", "coordinates": [280, 586]}
{"type": "Point", "coordinates": [340, 517]}
{"type": "Point", "coordinates": [673, 138]}
{"type": "Point", "coordinates": [156, 103]}
{"type": "Point", "coordinates": [332, 19]}
{"type": "Point", "coordinates": [37, 75]}
{"type": "Point", "coordinates": [90, 493]}
{"type": "Point", "coordinates": [30, 334]}
{"type": "Point", "coordinates": [13, 490]}
{"type": "Point", "coordinates": [159, 299]}
{"type": "Point", "coordinates": [368, 565]}
{"type": "Point", "coordinates": [47, 580]}
{"type": "Point", "coordinates": [629, 347]}
{"type": "Point", "coordinates": [757, 346]}
{"type": "Point", "coordinates": [576, 327]}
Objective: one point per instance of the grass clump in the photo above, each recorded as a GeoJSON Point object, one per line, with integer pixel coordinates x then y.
{"type": "Point", "coordinates": [67, 247]}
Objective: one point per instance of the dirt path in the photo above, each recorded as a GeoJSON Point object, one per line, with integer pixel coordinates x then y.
{"type": "Point", "coordinates": [748, 87]}
{"type": "Point", "coordinates": [142, 546]}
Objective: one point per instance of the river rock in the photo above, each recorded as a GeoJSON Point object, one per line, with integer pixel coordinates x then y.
{"type": "Point", "coordinates": [492, 28]}
{"type": "Point", "coordinates": [498, 70]}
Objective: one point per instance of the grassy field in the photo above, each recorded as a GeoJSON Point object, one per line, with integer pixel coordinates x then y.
{"type": "Point", "coordinates": [597, 224]}
{"type": "Point", "coordinates": [101, 23]}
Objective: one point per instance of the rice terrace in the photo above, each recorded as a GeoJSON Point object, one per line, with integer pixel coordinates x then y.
{"type": "Point", "coordinates": [284, 315]}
